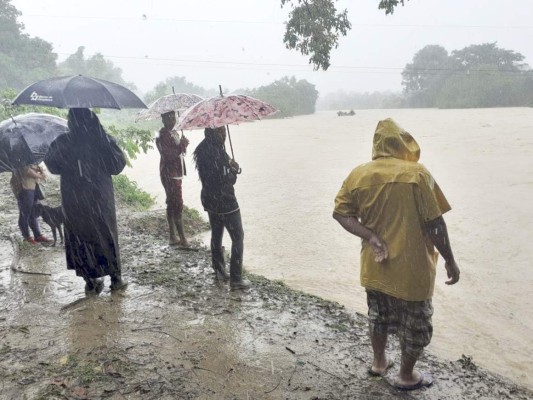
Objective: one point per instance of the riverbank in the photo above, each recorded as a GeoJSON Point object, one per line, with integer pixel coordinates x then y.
{"type": "Point", "coordinates": [176, 333]}
{"type": "Point", "coordinates": [482, 160]}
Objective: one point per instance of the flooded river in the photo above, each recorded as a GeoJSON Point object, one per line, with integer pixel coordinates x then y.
{"type": "Point", "coordinates": [483, 161]}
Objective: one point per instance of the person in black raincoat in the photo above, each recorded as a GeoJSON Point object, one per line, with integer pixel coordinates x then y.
{"type": "Point", "coordinates": [86, 158]}
{"type": "Point", "coordinates": [218, 174]}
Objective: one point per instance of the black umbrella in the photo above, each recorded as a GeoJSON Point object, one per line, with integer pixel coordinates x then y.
{"type": "Point", "coordinates": [25, 139]}
{"type": "Point", "coordinates": [78, 92]}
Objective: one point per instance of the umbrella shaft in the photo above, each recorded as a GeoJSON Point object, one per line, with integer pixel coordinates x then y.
{"type": "Point", "coordinates": [230, 144]}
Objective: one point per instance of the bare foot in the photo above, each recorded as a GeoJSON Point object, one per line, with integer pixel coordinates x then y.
{"type": "Point", "coordinates": [415, 378]}
{"type": "Point", "coordinates": [380, 370]}
{"type": "Point", "coordinates": [423, 380]}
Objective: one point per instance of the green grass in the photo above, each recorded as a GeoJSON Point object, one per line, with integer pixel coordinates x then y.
{"type": "Point", "coordinates": [129, 193]}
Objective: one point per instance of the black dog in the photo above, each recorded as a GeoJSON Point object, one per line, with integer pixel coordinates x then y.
{"type": "Point", "coordinates": [53, 216]}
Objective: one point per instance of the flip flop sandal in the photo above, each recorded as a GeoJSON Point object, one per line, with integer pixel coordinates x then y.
{"type": "Point", "coordinates": [371, 372]}
{"type": "Point", "coordinates": [426, 380]}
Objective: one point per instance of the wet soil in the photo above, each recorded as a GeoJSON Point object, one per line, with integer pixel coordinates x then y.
{"type": "Point", "coordinates": [176, 333]}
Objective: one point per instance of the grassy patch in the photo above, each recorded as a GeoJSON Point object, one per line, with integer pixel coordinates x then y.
{"type": "Point", "coordinates": [129, 193]}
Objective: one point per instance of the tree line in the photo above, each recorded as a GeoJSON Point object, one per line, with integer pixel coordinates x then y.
{"type": "Point", "coordinates": [483, 75]}
{"type": "Point", "coordinates": [476, 76]}
{"type": "Point", "coordinates": [25, 59]}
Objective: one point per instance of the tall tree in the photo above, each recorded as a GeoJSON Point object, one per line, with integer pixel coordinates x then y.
{"type": "Point", "coordinates": [474, 56]}
{"type": "Point", "coordinates": [314, 27]}
{"type": "Point", "coordinates": [423, 78]}
{"type": "Point", "coordinates": [95, 66]}
{"type": "Point", "coordinates": [476, 76]}
{"type": "Point", "coordinates": [22, 59]}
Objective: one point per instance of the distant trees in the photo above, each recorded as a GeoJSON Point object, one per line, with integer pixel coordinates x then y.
{"type": "Point", "coordinates": [425, 76]}
{"type": "Point", "coordinates": [481, 75]}
{"type": "Point", "coordinates": [22, 59]}
{"type": "Point", "coordinates": [95, 66]}
{"type": "Point", "coordinates": [289, 95]}
{"type": "Point", "coordinates": [488, 54]}
{"type": "Point", "coordinates": [477, 76]}
{"type": "Point", "coordinates": [179, 84]}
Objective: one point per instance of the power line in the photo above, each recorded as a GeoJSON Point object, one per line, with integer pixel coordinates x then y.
{"type": "Point", "coordinates": [241, 64]}
{"type": "Point", "coordinates": [145, 17]}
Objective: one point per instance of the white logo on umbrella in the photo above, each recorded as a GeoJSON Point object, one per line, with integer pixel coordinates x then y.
{"type": "Point", "coordinates": [37, 97]}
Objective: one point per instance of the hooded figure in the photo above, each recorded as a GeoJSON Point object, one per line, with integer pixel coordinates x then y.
{"type": "Point", "coordinates": [86, 158]}
{"type": "Point", "coordinates": [396, 207]}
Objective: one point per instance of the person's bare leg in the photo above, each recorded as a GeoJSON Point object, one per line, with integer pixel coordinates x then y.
{"type": "Point", "coordinates": [407, 375]}
{"type": "Point", "coordinates": [379, 343]}
{"type": "Point", "coordinates": [181, 232]}
{"type": "Point", "coordinates": [173, 238]}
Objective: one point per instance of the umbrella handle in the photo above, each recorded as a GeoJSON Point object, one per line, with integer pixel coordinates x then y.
{"type": "Point", "coordinates": [183, 136]}
{"type": "Point", "coordinates": [230, 144]}
{"type": "Point", "coordinates": [231, 147]}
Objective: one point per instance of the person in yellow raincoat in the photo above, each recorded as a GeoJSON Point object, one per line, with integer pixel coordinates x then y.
{"type": "Point", "coordinates": [395, 206]}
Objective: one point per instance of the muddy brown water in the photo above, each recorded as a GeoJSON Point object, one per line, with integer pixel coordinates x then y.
{"type": "Point", "coordinates": [482, 159]}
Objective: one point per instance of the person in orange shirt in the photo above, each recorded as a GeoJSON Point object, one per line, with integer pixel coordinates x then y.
{"type": "Point", "coordinates": [395, 206]}
{"type": "Point", "coordinates": [172, 148]}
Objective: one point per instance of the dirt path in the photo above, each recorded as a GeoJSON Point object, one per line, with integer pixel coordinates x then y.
{"type": "Point", "coordinates": [175, 333]}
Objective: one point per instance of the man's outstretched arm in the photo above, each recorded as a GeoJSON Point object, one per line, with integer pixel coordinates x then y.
{"type": "Point", "coordinates": [352, 225]}
{"type": "Point", "coordinates": [438, 233]}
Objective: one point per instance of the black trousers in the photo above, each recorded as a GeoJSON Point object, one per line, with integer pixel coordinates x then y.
{"type": "Point", "coordinates": [233, 223]}
{"type": "Point", "coordinates": [26, 201]}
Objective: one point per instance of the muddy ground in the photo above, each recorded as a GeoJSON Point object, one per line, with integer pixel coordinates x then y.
{"type": "Point", "coordinates": [175, 333]}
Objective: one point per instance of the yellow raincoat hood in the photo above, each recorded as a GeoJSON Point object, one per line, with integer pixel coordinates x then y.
{"type": "Point", "coordinates": [391, 140]}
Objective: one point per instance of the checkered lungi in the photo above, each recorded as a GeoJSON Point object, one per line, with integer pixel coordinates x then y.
{"type": "Point", "coordinates": [409, 320]}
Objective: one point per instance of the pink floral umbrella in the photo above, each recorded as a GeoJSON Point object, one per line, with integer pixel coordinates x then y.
{"type": "Point", "coordinates": [173, 102]}
{"type": "Point", "coordinates": [224, 110]}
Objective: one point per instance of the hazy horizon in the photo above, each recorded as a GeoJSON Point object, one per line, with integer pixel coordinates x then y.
{"type": "Point", "coordinates": [242, 46]}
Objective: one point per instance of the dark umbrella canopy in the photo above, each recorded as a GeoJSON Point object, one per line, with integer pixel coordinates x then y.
{"type": "Point", "coordinates": [78, 92]}
{"type": "Point", "coordinates": [25, 139]}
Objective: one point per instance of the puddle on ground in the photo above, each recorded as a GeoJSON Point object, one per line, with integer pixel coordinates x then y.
{"type": "Point", "coordinates": [180, 333]}
{"type": "Point", "coordinates": [47, 309]}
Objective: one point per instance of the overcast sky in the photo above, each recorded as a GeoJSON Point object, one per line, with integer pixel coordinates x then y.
{"type": "Point", "coordinates": [239, 43]}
